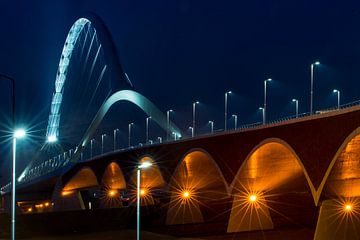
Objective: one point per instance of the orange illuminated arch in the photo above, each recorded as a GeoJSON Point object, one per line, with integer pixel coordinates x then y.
{"type": "Point", "coordinates": [151, 177]}
{"type": "Point", "coordinates": [272, 168]}
{"type": "Point", "coordinates": [85, 178]}
{"type": "Point", "coordinates": [113, 177]}
{"type": "Point", "coordinates": [342, 176]}
{"type": "Point", "coordinates": [196, 180]}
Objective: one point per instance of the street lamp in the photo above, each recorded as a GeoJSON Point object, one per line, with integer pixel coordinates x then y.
{"type": "Point", "coordinates": [102, 142]}
{"type": "Point", "coordinates": [338, 97]}
{"type": "Point", "coordinates": [18, 134]}
{"type": "Point", "coordinates": [160, 139]}
{"type": "Point", "coordinates": [168, 123]}
{"type": "Point", "coordinates": [265, 88]}
{"type": "Point", "coordinates": [296, 107]}
{"type": "Point", "coordinates": [211, 126]}
{"type": "Point", "coordinates": [235, 120]}
{"type": "Point", "coordinates": [130, 125]}
{"type": "Point", "coordinates": [192, 131]}
{"type": "Point", "coordinates": [226, 107]}
{"type": "Point", "coordinates": [115, 137]}
{"type": "Point", "coordinates": [175, 135]}
{"type": "Point", "coordinates": [263, 114]}
{"type": "Point", "coordinates": [312, 84]}
{"type": "Point", "coordinates": [147, 129]}
{"type": "Point", "coordinates": [194, 113]}
{"type": "Point", "coordinates": [91, 147]}
{"type": "Point", "coordinates": [143, 165]}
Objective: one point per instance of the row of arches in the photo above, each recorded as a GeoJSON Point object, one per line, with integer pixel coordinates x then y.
{"type": "Point", "coordinates": [271, 187]}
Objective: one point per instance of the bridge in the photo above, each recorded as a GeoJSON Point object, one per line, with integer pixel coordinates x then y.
{"type": "Point", "coordinates": [295, 172]}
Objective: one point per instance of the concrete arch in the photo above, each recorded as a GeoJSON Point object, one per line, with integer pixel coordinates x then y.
{"type": "Point", "coordinates": [343, 151]}
{"type": "Point", "coordinates": [259, 181]}
{"type": "Point", "coordinates": [196, 180]}
{"type": "Point", "coordinates": [113, 177]}
{"type": "Point", "coordinates": [124, 95]}
{"type": "Point", "coordinates": [84, 178]}
{"type": "Point", "coordinates": [289, 148]}
{"type": "Point", "coordinates": [151, 177]}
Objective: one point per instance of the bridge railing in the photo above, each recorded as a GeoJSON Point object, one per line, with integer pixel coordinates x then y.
{"type": "Point", "coordinates": [63, 160]}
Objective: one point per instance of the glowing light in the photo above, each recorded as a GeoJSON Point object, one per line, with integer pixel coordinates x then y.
{"type": "Point", "coordinates": [65, 193]}
{"type": "Point", "coordinates": [143, 192]}
{"type": "Point", "coordinates": [19, 133]}
{"type": "Point", "coordinates": [112, 193]}
{"type": "Point", "coordinates": [317, 63]}
{"type": "Point", "coordinates": [186, 194]}
{"type": "Point", "coordinates": [29, 209]}
{"type": "Point", "coordinates": [47, 204]}
{"type": "Point", "coordinates": [253, 198]}
{"type": "Point", "coordinates": [52, 138]}
{"type": "Point", "coordinates": [145, 165]}
{"type": "Point", "coordinates": [348, 207]}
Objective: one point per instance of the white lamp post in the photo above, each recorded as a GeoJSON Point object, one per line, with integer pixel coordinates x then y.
{"type": "Point", "coordinates": [194, 113]}
{"type": "Point", "coordinates": [147, 129]}
{"type": "Point", "coordinates": [263, 114]}
{"type": "Point", "coordinates": [102, 143]}
{"type": "Point", "coordinates": [226, 107]}
{"type": "Point", "coordinates": [160, 139]}
{"type": "Point", "coordinates": [130, 125]}
{"type": "Point", "coordinates": [265, 88]}
{"type": "Point", "coordinates": [296, 107]}
{"type": "Point", "coordinates": [211, 126]}
{"type": "Point", "coordinates": [192, 131]}
{"type": "Point", "coordinates": [235, 120]}
{"type": "Point", "coordinates": [338, 97]}
{"type": "Point", "coordinates": [144, 165]}
{"type": "Point", "coordinates": [168, 123]}
{"type": "Point", "coordinates": [115, 138]}
{"type": "Point", "coordinates": [312, 85]}
{"type": "Point", "coordinates": [18, 134]}
{"type": "Point", "coordinates": [91, 147]}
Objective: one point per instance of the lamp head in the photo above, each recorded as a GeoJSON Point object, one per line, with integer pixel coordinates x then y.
{"type": "Point", "coordinates": [52, 139]}
{"type": "Point", "coordinates": [317, 63]}
{"type": "Point", "coordinates": [19, 133]}
{"type": "Point", "coordinates": [268, 80]}
{"type": "Point", "coordinates": [145, 165]}
{"type": "Point", "coordinates": [336, 91]}
{"type": "Point", "coordinates": [294, 100]}
{"type": "Point", "coordinates": [261, 108]}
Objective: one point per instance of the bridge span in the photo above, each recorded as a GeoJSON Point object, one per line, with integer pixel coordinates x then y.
{"type": "Point", "coordinates": [302, 172]}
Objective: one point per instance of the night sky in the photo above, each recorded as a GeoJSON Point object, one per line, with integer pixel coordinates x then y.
{"type": "Point", "coordinates": [176, 52]}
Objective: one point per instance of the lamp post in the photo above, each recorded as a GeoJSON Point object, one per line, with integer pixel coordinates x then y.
{"type": "Point", "coordinates": [312, 84]}
{"type": "Point", "coordinates": [338, 97]}
{"type": "Point", "coordinates": [18, 134]}
{"type": "Point", "coordinates": [211, 126]}
{"type": "Point", "coordinates": [194, 113]}
{"type": "Point", "coordinates": [296, 107]}
{"type": "Point", "coordinates": [168, 123]}
{"type": "Point", "coordinates": [115, 138]}
{"type": "Point", "coordinates": [102, 143]}
{"type": "Point", "coordinates": [91, 147]}
{"type": "Point", "coordinates": [160, 139]}
{"type": "Point", "coordinates": [226, 107]}
{"type": "Point", "coordinates": [174, 133]}
{"type": "Point", "coordinates": [147, 129]}
{"type": "Point", "coordinates": [130, 125]}
{"type": "Point", "coordinates": [235, 120]}
{"type": "Point", "coordinates": [143, 165]}
{"type": "Point", "coordinates": [192, 131]}
{"type": "Point", "coordinates": [265, 88]}
{"type": "Point", "coordinates": [263, 114]}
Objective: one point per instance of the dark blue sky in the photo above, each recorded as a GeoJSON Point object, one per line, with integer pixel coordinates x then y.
{"type": "Point", "coordinates": [179, 51]}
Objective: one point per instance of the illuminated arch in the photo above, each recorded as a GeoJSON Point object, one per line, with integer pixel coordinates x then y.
{"type": "Point", "coordinates": [72, 38]}
{"type": "Point", "coordinates": [124, 95]}
{"type": "Point", "coordinates": [85, 178]}
{"type": "Point", "coordinates": [196, 180]}
{"type": "Point", "coordinates": [343, 170]}
{"type": "Point", "coordinates": [113, 177]}
{"type": "Point", "coordinates": [271, 166]}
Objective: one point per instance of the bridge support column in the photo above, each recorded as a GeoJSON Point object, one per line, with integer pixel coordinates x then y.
{"type": "Point", "coordinates": [67, 200]}
{"type": "Point", "coordinates": [338, 220]}
{"type": "Point", "coordinates": [249, 216]}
